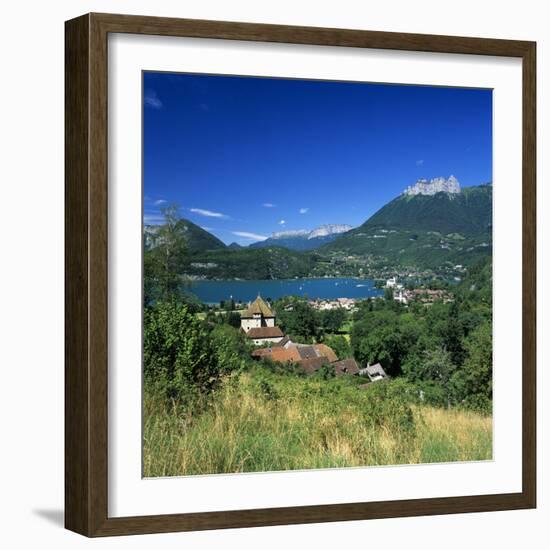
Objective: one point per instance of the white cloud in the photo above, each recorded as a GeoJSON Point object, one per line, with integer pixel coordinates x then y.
{"type": "Point", "coordinates": [268, 205]}
{"type": "Point", "coordinates": [304, 210]}
{"type": "Point", "coordinates": [159, 202]}
{"type": "Point", "coordinates": [153, 219]}
{"type": "Point", "coordinates": [282, 222]}
{"type": "Point", "coordinates": [420, 162]}
{"type": "Point", "coordinates": [207, 213]}
{"type": "Point", "coordinates": [251, 236]}
{"type": "Point", "coordinates": [151, 99]}
{"type": "Point", "coordinates": [207, 228]}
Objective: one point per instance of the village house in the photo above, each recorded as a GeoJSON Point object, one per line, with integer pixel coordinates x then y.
{"type": "Point", "coordinates": [258, 323]}
{"type": "Point", "coordinates": [392, 283]}
{"type": "Point", "coordinates": [425, 296]}
{"type": "Point", "coordinates": [374, 372]}
{"type": "Point", "coordinates": [310, 357]}
{"type": "Point", "coordinates": [346, 366]}
{"type": "Point", "coordinates": [338, 303]}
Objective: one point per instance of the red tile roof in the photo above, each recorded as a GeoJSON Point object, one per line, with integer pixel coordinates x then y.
{"type": "Point", "coordinates": [313, 364]}
{"type": "Point", "coordinates": [327, 352]}
{"type": "Point", "coordinates": [346, 366]}
{"type": "Point", "coordinates": [309, 357]}
{"type": "Point", "coordinates": [264, 332]}
{"type": "Point", "coordinates": [277, 354]}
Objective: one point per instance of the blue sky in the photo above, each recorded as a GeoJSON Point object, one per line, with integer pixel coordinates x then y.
{"type": "Point", "coordinates": [244, 157]}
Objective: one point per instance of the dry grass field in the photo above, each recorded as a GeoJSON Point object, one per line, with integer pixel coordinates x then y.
{"type": "Point", "coordinates": [262, 421]}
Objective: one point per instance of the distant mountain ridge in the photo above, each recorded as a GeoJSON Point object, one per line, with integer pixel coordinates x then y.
{"type": "Point", "coordinates": [423, 228]}
{"type": "Point", "coordinates": [303, 239]}
{"type": "Point", "coordinates": [329, 229]}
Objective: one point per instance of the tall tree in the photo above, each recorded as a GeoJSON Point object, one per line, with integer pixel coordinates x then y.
{"type": "Point", "coordinates": [474, 381]}
{"type": "Point", "coordinates": [333, 319]}
{"type": "Point", "coordinates": [300, 320]}
{"type": "Point", "coordinates": [164, 261]}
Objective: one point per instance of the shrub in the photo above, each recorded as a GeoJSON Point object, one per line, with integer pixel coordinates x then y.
{"type": "Point", "coordinates": [229, 348]}
{"type": "Point", "coordinates": [339, 345]}
{"type": "Point", "coordinates": [389, 403]}
{"type": "Point", "coordinates": [182, 357]}
{"type": "Point", "coordinates": [473, 382]}
{"type": "Point", "coordinates": [267, 390]}
{"type": "Point", "coordinates": [325, 372]}
{"type": "Point", "coordinates": [432, 393]}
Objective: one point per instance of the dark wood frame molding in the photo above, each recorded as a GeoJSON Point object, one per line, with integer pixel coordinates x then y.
{"type": "Point", "coordinates": [86, 274]}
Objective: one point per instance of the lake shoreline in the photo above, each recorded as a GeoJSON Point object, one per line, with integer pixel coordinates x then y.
{"type": "Point", "coordinates": [211, 291]}
{"type": "Point", "coordinates": [196, 278]}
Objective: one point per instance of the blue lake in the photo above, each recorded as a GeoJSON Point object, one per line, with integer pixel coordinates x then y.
{"type": "Point", "coordinates": [244, 291]}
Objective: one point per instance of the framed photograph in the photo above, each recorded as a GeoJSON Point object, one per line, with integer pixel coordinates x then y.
{"type": "Point", "coordinates": [300, 275]}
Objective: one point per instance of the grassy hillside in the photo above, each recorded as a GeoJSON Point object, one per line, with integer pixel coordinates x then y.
{"type": "Point", "coordinates": [425, 231]}
{"type": "Point", "coordinates": [403, 247]}
{"type": "Point", "coordinates": [468, 212]}
{"type": "Point", "coordinates": [267, 421]}
{"type": "Point", "coordinates": [198, 238]}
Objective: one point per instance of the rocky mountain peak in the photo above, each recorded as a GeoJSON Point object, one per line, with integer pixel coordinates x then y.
{"type": "Point", "coordinates": [329, 229]}
{"type": "Point", "coordinates": [290, 233]}
{"type": "Point", "coordinates": [433, 186]}
{"type": "Point", "coordinates": [321, 231]}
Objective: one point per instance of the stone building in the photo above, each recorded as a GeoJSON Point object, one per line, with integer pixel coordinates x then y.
{"type": "Point", "coordinates": [258, 323]}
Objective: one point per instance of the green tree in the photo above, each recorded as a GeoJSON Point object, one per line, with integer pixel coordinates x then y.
{"type": "Point", "coordinates": [437, 365]}
{"type": "Point", "coordinates": [301, 321]}
{"type": "Point", "coordinates": [339, 345]}
{"type": "Point", "coordinates": [453, 334]}
{"type": "Point", "coordinates": [233, 319]}
{"type": "Point", "coordinates": [230, 349]}
{"type": "Point", "coordinates": [332, 320]}
{"type": "Point", "coordinates": [382, 345]}
{"type": "Point", "coordinates": [473, 382]}
{"type": "Point", "coordinates": [164, 261]}
{"type": "Point", "coordinates": [376, 337]}
{"type": "Point", "coordinates": [178, 356]}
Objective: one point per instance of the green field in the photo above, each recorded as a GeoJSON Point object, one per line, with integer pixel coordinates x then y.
{"type": "Point", "coordinates": [260, 420]}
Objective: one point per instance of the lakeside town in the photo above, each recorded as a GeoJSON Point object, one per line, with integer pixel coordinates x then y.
{"type": "Point", "coordinates": [257, 321]}
{"type": "Point", "coordinates": [424, 294]}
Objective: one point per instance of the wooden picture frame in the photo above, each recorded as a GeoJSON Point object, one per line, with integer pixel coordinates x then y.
{"type": "Point", "coordinates": [86, 282]}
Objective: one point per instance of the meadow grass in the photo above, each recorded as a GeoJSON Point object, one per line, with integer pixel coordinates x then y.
{"type": "Point", "coordinates": [260, 421]}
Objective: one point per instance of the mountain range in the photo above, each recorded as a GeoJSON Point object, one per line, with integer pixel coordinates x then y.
{"type": "Point", "coordinates": [431, 224]}
{"type": "Point", "coordinates": [468, 212]}
{"type": "Point", "coordinates": [425, 230]}
{"type": "Point", "coordinates": [303, 239]}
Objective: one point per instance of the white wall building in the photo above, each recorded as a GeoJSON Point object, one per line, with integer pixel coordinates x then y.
{"type": "Point", "coordinates": [258, 323]}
